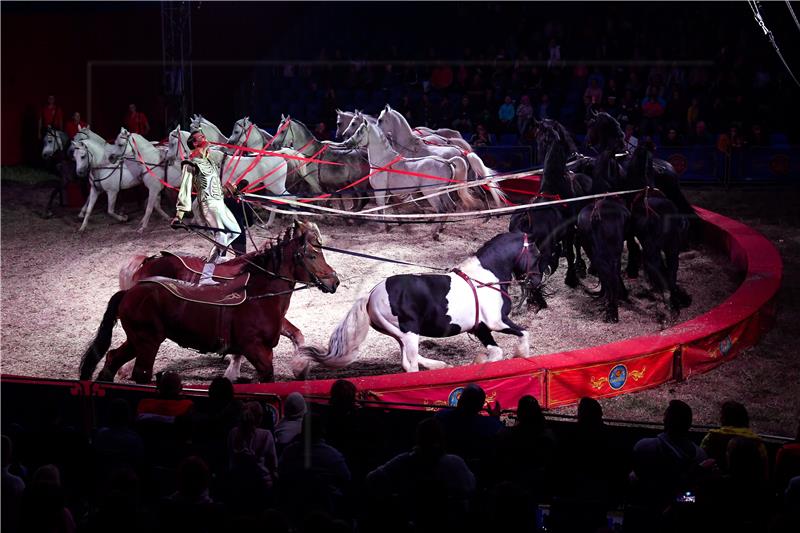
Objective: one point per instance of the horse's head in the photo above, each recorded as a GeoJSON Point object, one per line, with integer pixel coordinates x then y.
{"type": "Point", "coordinates": [343, 121]}
{"type": "Point", "coordinates": [51, 143]}
{"type": "Point", "coordinates": [355, 122]}
{"type": "Point", "coordinates": [81, 156]}
{"type": "Point", "coordinates": [603, 130]}
{"type": "Point", "coordinates": [360, 137]}
{"type": "Point", "coordinates": [640, 168]}
{"type": "Point", "coordinates": [307, 258]}
{"type": "Point", "coordinates": [196, 123]}
{"type": "Point", "coordinates": [175, 146]}
{"type": "Point", "coordinates": [283, 138]}
{"type": "Point", "coordinates": [121, 146]}
{"type": "Point", "coordinates": [241, 130]}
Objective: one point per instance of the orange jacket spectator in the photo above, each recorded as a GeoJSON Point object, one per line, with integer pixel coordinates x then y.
{"type": "Point", "coordinates": [136, 121]}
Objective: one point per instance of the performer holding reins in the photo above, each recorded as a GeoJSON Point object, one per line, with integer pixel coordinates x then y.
{"type": "Point", "coordinates": [201, 173]}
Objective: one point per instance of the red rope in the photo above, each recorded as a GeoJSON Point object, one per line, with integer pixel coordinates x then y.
{"type": "Point", "coordinates": [147, 169]}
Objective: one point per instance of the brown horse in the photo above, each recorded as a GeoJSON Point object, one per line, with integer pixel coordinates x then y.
{"type": "Point", "coordinates": [245, 320]}
{"type": "Point", "coordinates": [188, 268]}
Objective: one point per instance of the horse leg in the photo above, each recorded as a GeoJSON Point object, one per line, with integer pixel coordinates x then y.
{"type": "Point", "coordinates": [293, 333]}
{"type": "Point", "coordinates": [234, 368]}
{"type": "Point", "coordinates": [571, 280]}
{"type": "Point", "coordinates": [495, 353]}
{"type": "Point", "coordinates": [112, 203]}
{"type": "Point", "coordinates": [146, 346]}
{"type": "Point", "coordinates": [260, 357]}
{"type": "Point", "coordinates": [409, 349]}
{"type": "Point", "coordinates": [153, 199]}
{"type": "Point", "coordinates": [115, 359]}
{"type": "Point", "coordinates": [88, 208]}
{"type": "Point", "coordinates": [634, 257]}
{"type": "Point", "coordinates": [678, 296]}
{"type": "Point", "coordinates": [580, 264]}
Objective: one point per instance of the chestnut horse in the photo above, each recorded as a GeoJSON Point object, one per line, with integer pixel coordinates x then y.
{"type": "Point", "coordinates": [151, 313]}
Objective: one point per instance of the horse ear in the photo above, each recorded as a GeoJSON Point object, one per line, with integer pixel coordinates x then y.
{"type": "Point", "coordinates": [282, 117]}
{"type": "Point", "coordinates": [339, 111]}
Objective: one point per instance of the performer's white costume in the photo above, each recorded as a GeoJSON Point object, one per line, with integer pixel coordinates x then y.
{"type": "Point", "coordinates": [201, 173]}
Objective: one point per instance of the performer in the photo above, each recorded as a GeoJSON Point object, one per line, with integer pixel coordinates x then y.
{"type": "Point", "coordinates": [201, 173]}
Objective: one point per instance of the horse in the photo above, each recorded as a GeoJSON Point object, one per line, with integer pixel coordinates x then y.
{"type": "Point", "coordinates": [471, 298]}
{"type": "Point", "coordinates": [403, 139]}
{"type": "Point", "coordinates": [247, 134]}
{"type": "Point", "coordinates": [659, 227]}
{"type": "Point", "coordinates": [602, 226]}
{"type": "Point", "coordinates": [212, 133]}
{"type": "Point", "coordinates": [604, 132]}
{"type": "Point", "coordinates": [387, 182]}
{"type": "Point", "coordinates": [91, 159]}
{"type": "Point", "coordinates": [154, 165]}
{"type": "Point", "coordinates": [57, 150]}
{"type": "Point", "coordinates": [344, 123]}
{"type": "Point", "coordinates": [552, 227]}
{"type": "Point", "coordinates": [351, 163]}
{"type": "Point", "coordinates": [245, 320]}
{"type": "Point", "coordinates": [346, 126]}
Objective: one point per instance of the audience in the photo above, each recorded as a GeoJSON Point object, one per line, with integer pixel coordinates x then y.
{"type": "Point", "coordinates": [291, 424]}
{"type": "Point", "coordinates": [12, 491]}
{"type": "Point", "coordinates": [734, 423]}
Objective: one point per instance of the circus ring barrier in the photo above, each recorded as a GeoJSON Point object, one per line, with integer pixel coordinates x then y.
{"type": "Point", "coordinates": [556, 379]}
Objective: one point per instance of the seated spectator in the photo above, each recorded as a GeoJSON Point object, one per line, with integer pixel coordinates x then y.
{"type": "Point", "coordinates": [117, 444]}
{"type": "Point", "coordinates": [629, 109]}
{"type": "Point", "coordinates": [757, 136]}
{"type": "Point", "coordinates": [525, 452]}
{"type": "Point", "coordinates": [734, 422]}
{"type": "Point", "coordinates": [701, 137]}
{"type": "Point", "coordinates": [169, 404]}
{"type": "Point", "coordinates": [729, 141]}
{"type": "Point", "coordinates": [467, 433]}
{"type": "Point", "coordinates": [291, 424]}
{"type": "Point", "coordinates": [668, 464]}
{"type": "Point", "coordinates": [191, 508]}
{"type": "Point", "coordinates": [321, 132]}
{"type": "Point", "coordinates": [787, 462]}
{"type": "Point", "coordinates": [430, 487]}
{"type": "Point", "coordinates": [653, 107]}
{"type": "Point", "coordinates": [693, 114]}
{"type": "Point", "coordinates": [506, 115]}
{"type": "Point", "coordinates": [43, 507]}
{"type": "Point", "coordinates": [252, 461]}
{"type": "Point", "coordinates": [121, 498]}
{"type": "Point", "coordinates": [212, 425]}
{"type": "Point", "coordinates": [672, 138]}
{"type": "Point", "coordinates": [631, 142]}
{"type": "Point", "coordinates": [524, 114]}
{"type": "Point", "coordinates": [12, 490]}
{"type": "Point", "coordinates": [313, 474]}
{"type": "Point", "coordinates": [480, 137]}
{"type": "Point", "coordinates": [463, 119]}
{"type": "Point", "coordinates": [594, 92]}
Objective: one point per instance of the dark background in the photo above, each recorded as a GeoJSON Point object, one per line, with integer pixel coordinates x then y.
{"type": "Point", "coordinates": [46, 48]}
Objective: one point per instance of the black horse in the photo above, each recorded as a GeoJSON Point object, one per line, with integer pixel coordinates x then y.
{"type": "Point", "coordinates": [552, 227]}
{"type": "Point", "coordinates": [659, 226]}
{"type": "Point", "coordinates": [602, 226]}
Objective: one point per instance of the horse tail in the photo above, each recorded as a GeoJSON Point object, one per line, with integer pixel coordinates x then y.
{"type": "Point", "coordinates": [476, 163]}
{"type": "Point", "coordinates": [460, 169]}
{"type": "Point", "coordinates": [128, 271]}
{"type": "Point", "coordinates": [345, 340]}
{"type": "Point", "coordinates": [102, 340]}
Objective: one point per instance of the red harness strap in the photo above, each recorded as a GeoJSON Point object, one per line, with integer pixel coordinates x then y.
{"type": "Point", "coordinates": [474, 293]}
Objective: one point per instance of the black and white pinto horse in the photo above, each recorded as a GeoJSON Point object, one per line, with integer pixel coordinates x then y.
{"type": "Point", "coordinates": [471, 298]}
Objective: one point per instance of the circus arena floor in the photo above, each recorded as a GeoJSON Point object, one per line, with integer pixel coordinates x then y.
{"type": "Point", "coordinates": [56, 284]}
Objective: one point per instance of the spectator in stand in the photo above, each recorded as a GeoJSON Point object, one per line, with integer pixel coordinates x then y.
{"type": "Point", "coordinates": [676, 111]}
{"type": "Point", "coordinates": [525, 452]}
{"type": "Point", "coordinates": [653, 107]}
{"type": "Point", "coordinates": [611, 106]}
{"type": "Point", "coordinates": [191, 507]}
{"type": "Point", "coordinates": [136, 121]}
{"type": "Point", "coordinates": [787, 462]}
{"type": "Point", "coordinates": [668, 464]}
{"type": "Point", "coordinates": [544, 111]}
{"type": "Point", "coordinates": [74, 125]}
{"type": "Point", "coordinates": [168, 405]}
{"type": "Point", "coordinates": [480, 137]}
{"type": "Point", "coordinates": [524, 114]}
{"type": "Point", "coordinates": [117, 445]}
{"type": "Point", "coordinates": [554, 54]}
{"type": "Point", "coordinates": [672, 138]}
{"type": "Point", "coordinates": [12, 490]}
{"type": "Point", "coordinates": [467, 433]}
{"type": "Point", "coordinates": [506, 115]}
{"type": "Point", "coordinates": [50, 116]}
{"type": "Point", "coordinates": [629, 110]}
{"type": "Point", "coordinates": [252, 460]}
{"type": "Point", "coordinates": [463, 120]}
{"type": "Point", "coordinates": [631, 142]}
{"type": "Point", "coordinates": [727, 142]}
{"type": "Point", "coordinates": [701, 137]}
{"type": "Point", "coordinates": [314, 475]}
{"type": "Point", "coordinates": [212, 425]}
{"type": "Point", "coordinates": [734, 422]}
{"type": "Point", "coordinates": [757, 136]}
{"type": "Point", "coordinates": [43, 507]}
{"type": "Point", "coordinates": [442, 77]}
{"type": "Point", "coordinates": [594, 92]}
{"type": "Point", "coordinates": [433, 487]}
{"type": "Point", "coordinates": [427, 113]}
{"type": "Point", "coordinates": [444, 114]}
{"type": "Point", "coordinates": [291, 425]}
{"type": "Point", "coordinates": [321, 132]}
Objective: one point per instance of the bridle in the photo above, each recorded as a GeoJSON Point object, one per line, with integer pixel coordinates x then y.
{"type": "Point", "coordinates": [59, 145]}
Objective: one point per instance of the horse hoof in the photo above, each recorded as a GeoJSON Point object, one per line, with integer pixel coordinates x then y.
{"type": "Point", "coordinates": [437, 237]}
{"type": "Point", "coordinates": [123, 218]}
{"type": "Point", "coordinates": [611, 317]}
{"type": "Point", "coordinates": [571, 280]}
{"type": "Point", "coordinates": [580, 269]}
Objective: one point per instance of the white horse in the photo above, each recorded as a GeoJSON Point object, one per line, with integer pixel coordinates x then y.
{"type": "Point", "coordinates": [54, 141]}
{"type": "Point", "coordinates": [210, 130]}
{"type": "Point", "coordinates": [152, 164]}
{"type": "Point", "coordinates": [395, 126]}
{"type": "Point", "coordinates": [380, 154]}
{"type": "Point", "coordinates": [247, 134]}
{"type": "Point", "coordinates": [91, 159]}
{"type": "Point", "coordinates": [85, 132]}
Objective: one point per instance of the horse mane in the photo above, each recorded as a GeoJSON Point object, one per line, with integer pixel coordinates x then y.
{"type": "Point", "coordinates": [566, 138]}
{"type": "Point", "coordinates": [271, 256]}
{"type": "Point", "coordinates": [555, 165]}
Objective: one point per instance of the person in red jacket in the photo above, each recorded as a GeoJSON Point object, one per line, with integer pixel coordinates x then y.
{"type": "Point", "coordinates": [50, 115]}
{"type": "Point", "coordinates": [74, 124]}
{"type": "Point", "coordinates": [136, 121]}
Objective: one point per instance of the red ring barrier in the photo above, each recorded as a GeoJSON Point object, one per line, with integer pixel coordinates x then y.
{"type": "Point", "coordinates": [611, 369]}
